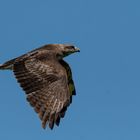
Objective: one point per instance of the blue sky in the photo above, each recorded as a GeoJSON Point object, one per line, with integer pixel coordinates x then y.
{"type": "Point", "coordinates": [106, 72]}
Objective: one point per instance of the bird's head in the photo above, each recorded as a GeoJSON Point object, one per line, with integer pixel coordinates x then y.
{"type": "Point", "coordinates": [61, 50]}
{"type": "Point", "coordinates": [67, 49]}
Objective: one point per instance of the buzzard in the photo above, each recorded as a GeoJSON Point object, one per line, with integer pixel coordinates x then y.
{"type": "Point", "coordinates": [46, 79]}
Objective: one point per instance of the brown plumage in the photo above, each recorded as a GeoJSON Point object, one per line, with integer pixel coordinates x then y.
{"type": "Point", "coordinates": [46, 79]}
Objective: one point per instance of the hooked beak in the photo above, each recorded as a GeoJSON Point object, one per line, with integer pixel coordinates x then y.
{"type": "Point", "coordinates": [77, 49]}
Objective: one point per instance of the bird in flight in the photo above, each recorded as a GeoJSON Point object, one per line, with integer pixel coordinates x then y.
{"type": "Point", "coordinates": [46, 79]}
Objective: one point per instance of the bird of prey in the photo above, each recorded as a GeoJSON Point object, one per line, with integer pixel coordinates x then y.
{"type": "Point", "coordinates": [46, 79]}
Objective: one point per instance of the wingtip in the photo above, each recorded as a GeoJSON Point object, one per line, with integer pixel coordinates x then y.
{"type": "Point", "coordinates": [6, 67]}
{"type": "Point", "coordinates": [51, 126]}
{"type": "Point", "coordinates": [43, 126]}
{"type": "Point", "coordinates": [1, 67]}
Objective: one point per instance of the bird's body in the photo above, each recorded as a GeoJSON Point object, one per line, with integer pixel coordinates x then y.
{"type": "Point", "coordinates": [46, 79]}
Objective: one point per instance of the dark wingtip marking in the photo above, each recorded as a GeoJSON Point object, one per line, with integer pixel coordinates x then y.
{"type": "Point", "coordinates": [57, 122]}
{"type": "Point", "coordinates": [51, 121]}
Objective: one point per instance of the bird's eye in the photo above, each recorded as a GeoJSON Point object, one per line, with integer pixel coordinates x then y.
{"type": "Point", "coordinates": [70, 47]}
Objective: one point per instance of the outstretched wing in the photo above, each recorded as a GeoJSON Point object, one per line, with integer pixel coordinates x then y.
{"type": "Point", "coordinates": [46, 86]}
